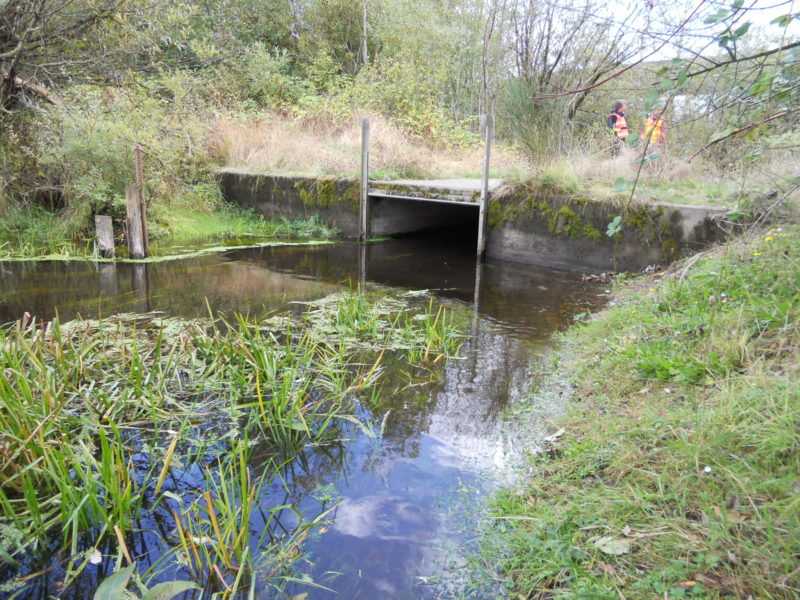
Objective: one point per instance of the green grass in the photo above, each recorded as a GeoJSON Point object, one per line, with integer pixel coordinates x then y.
{"type": "Point", "coordinates": [186, 225]}
{"type": "Point", "coordinates": [79, 401]}
{"type": "Point", "coordinates": [677, 473]}
{"type": "Point", "coordinates": [34, 233]}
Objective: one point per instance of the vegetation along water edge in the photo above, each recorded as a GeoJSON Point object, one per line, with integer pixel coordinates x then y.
{"type": "Point", "coordinates": [116, 431]}
{"type": "Point", "coordinates": [675, 472]}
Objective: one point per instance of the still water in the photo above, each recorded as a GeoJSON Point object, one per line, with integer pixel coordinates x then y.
{"type": "Point", "coordinates": [406, 509]}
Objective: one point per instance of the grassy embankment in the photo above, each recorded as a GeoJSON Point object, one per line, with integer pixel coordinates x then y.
{"type": "Point", "coordinates": [28, 233]}
{"type": "Point", "coordinates": [108, 425]}
{"type": "Point", "coordinates": [677, 472]}
{"type": "Point", "coordinates": [668, 178]}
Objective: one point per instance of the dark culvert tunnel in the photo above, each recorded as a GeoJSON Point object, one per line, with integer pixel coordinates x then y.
{"type": "Point", "coordinates": [454, 224]}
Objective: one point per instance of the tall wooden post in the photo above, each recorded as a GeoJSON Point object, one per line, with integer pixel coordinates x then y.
{"type": "Point", "coordinates": [364, 227]}
{"type": "Point", "coordinates": [140, 196]}
{"type": "Point", "coordinates": [488, 133]}
{"type": "Point", "coordinates": [135, 242]}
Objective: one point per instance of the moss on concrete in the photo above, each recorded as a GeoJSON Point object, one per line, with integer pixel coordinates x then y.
{"type": "Point", "coordinates": [324, 193]}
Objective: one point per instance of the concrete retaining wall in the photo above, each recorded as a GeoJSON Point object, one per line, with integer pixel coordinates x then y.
{"type": "Point", "coordinates": [570, 232]}
{"type": "Point", "coordinates": [525, 227]}
{"type": "Point", "coordinates": [336, 201]}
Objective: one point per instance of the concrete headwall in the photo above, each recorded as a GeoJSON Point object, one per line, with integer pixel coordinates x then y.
{"type": "Point", "coordinates": [525, 227]}
{"type": "Point", "coordinates": [336, 201]}
{"type": "Point", "coordinates": [571, 232]}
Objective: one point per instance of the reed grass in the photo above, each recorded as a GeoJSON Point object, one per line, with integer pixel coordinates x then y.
{"type": "Point", "coordinates": [79, 400]}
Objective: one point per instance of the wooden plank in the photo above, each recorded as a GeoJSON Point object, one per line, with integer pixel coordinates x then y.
{"type": "Point", "coordinates": [135, 241]}
{"type": "Point", "coordinates": [488, 133]}
{"type": "Point", "coordinates": [365, 225]}
{"type": "Point", "coordinates": [104, 229]}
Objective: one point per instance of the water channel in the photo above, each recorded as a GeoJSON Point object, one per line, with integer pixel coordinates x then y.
{"type": "Point", "coordinates": [406, 507]}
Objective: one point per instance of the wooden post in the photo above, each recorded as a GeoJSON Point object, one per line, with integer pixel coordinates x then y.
{"type": "Point", "coordinates": [488, 132]}
{"type": "Point", "coordinates": [364, 227]}
{"type": "Point", "coordinates": [140, 195]}
{"type": "Point", "coordinates": [104, 229]}
{"type": "Point", "coordinates": [135, 242]}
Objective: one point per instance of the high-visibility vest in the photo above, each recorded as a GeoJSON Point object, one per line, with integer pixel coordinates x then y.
{"type": "Point", "coordinates": [656, 126]}
{"type": "Point", "coordinates": [620, 125]}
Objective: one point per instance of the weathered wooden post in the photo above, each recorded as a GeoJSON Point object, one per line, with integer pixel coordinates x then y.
{"type": "Point", "coordinates": [364, 227]}
{"type": "Point", "coordinates": [488, 133]}
{"type": "Point", "coordinates": [140, 195]}
{"type": "Point", "coordinates": [104, 229]}
{"type": "Point", "coordinates": [135, 234]}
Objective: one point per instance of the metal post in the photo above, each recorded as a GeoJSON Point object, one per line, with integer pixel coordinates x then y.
{"type": "Point", "coordinates": [362, 266]}
{"type": "Point", "coordinates": [488, 132]}
{"type": "Point", "coordinates": [364, 232]}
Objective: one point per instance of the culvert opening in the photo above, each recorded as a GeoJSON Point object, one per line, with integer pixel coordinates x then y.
{"type": "Point", "coordinates": [452, 224]}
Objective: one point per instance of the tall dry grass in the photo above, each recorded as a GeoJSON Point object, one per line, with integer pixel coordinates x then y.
{"type": "Point", "coordinates": [319, 146]}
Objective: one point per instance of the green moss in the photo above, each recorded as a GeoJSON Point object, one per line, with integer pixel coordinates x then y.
{"type": "Point", "coordinates": [637, 218]}
{"type": "Point", "coordinates": [670, 250]}
{"type": "Point", "coordinates": [538, 203]}
{"type": "Point", "coordinates": [566, 222]}
{"type": "Point", "coordinates": [502, 211]}
{"type": "Point", "coordinates": [494, 214]}
{"type": "Point", "coordinates": [323, 193]}
{"type": "Point", "coordinates": [592, 232]}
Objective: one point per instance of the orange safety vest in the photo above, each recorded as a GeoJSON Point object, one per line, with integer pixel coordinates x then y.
{"type": "Point", "coordinates": [656, 126]}
{"type": "Point", "coordinates": [620, 125]}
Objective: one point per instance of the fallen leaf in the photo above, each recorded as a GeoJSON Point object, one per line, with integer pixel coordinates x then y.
{"type": "Point", "coordinates": [612, 545]}
{"type": "Point", "coordinates": [553, 437]}
{"type": "Point", "coordinates": [607, 569]}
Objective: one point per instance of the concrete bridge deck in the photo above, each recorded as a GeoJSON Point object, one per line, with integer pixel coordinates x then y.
{"type": "Point", "coordinates": [451, 191]}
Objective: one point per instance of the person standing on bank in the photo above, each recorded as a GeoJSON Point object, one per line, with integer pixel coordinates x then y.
{"type": "Point", "coordinates": [617, 123]}
{"type": "Point", "coordinates": [655, 129]}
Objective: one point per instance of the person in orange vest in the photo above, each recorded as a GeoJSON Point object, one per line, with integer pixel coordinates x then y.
{"type": "Point", "coordinates": [617, 123]}
{"type": "Point", "coordinates": [655, 128]}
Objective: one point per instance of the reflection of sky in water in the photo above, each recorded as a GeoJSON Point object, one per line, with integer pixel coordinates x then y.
{"type": "Point", "coordinates": [408, 502]}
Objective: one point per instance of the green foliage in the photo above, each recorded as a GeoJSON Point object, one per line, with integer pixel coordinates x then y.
{"type": "Point", "coordinates": [270, 78]}
{"type": "Point", "coordinates": [539, 126]}
{"type": "Point", "coordinates": [114, 587]}
{"type": "Point", "coordinates": [89, 152]}
{"type": "Point", "coordinates": [79, 400]}
{"type": "Point", "coordinates": [683, 449]}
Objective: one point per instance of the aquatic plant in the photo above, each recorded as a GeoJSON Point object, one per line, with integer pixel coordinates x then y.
{"type": "Point", "coordinates": [102, 422]}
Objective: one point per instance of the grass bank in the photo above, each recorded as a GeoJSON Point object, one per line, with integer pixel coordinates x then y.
{"type": "Point", "coordinates": [676, 473]}
{"type": "Point", "coordinates": [32, 232]}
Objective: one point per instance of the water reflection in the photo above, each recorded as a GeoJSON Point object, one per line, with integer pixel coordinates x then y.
{"type": "Point", "coordinates": [403, 500]}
